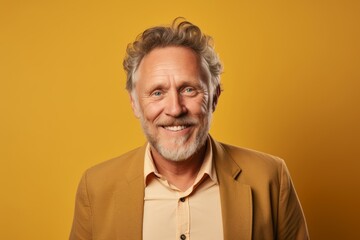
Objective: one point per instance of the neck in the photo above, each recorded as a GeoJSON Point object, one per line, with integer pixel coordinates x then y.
{"type": "Point", "coordinates": [181, 174]}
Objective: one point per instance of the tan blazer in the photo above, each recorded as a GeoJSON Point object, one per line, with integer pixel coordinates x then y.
{"type": "Point", "coordinates": [258, 200]}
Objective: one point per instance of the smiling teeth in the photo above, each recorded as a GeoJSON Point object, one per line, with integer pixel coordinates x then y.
{"type": "Point", "coordinates": [175, 128]}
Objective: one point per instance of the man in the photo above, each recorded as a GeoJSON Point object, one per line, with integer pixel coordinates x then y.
{"type": "Point", "coordinates": [183, 184]}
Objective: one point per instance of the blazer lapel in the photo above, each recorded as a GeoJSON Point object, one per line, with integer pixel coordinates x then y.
{"type": "Point", "coordinates": [130, 199]}
{"type": "Point", "coordinates": [236, 197]}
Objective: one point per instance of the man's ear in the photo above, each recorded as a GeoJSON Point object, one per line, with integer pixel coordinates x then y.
{"type": "Point", "coordinates": [134, 105]}
{"type": "Point", "coordinates": [216, 97]}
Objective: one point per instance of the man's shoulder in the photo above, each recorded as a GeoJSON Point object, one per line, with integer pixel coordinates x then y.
{"type": "Point", "coordinates": [251, 161]}
{"type": "Point", "coordinates": [114, 174]}
{"type": "Point", "coordinates": [118, 165]}
{"type": "Point", "coordinates": [247, 154]}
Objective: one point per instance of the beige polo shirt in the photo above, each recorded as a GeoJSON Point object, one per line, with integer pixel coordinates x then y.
{"type": "Point", "coordinates": [170, 213]}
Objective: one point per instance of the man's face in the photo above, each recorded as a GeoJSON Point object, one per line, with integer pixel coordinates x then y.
{"type": "Point", "coordinates": [171, 99]}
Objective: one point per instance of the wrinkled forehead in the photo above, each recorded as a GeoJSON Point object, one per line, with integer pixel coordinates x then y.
{"type": "Point", "coordinates": [172, 60]}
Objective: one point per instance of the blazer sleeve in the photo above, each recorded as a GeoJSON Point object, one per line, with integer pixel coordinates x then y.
{"type": "Point", "coordinates": [81, 227]}
{"type": "Point", "coordinates": [291, 220]}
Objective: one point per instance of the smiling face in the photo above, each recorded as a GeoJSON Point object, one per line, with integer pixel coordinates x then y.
{"type": "Point", "coordinates": [171, 99]}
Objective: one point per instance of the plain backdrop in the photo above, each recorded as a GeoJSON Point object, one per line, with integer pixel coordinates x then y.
{"type": "Point", "coordinates": [291, 89]}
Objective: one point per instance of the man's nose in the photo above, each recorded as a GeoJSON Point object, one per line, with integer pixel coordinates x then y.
{"type": "Point", "coordinates": [174, 105]}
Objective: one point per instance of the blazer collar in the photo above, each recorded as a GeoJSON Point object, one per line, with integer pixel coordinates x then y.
{"type": "Point", "coordinates": [236, 197]}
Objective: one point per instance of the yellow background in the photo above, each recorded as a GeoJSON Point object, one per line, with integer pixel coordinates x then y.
{"type": "Point", "coordinates": [291, 88]}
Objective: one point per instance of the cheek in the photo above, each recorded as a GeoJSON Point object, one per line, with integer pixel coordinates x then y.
{"type": "Point", "coordinates": [198, 106]}
{"type": "Point", "coordinates": [151, 111]}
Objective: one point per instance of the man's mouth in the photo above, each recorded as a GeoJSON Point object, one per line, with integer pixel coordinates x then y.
{"type": "Point", "coordinates": [175, 128]}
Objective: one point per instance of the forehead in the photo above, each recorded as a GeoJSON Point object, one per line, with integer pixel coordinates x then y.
{"type": "Point", "coordinates": [169, 62]}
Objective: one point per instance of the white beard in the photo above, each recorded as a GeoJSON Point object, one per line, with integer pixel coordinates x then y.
{"type": "Point", "coordinates": [181, 151]}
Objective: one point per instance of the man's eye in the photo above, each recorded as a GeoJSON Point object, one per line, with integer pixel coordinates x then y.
{"type": "Point", "coordinates": [189, 91]}
{"type": "Point", "coordinates": [157, 93]}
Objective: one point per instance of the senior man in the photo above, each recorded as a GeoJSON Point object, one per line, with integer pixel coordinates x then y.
{"type": "Point", "coordinates": [183, 184]}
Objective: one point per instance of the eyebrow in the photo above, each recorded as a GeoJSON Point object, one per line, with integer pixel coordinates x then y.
{"type": "Point", "coordinates": [184, 83]}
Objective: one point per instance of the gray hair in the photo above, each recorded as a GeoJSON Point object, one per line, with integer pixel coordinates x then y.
{"type": "Point", "coordinates": [183, 34]}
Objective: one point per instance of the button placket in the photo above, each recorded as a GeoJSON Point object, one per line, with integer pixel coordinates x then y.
{"type": "Point", "coordinates": [183, 218]}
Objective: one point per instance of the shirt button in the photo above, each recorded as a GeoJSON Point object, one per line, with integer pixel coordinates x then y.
{"type": "Point", "coordinates": [183, 200]}
{"type": "Point", "coordinates": [182, 237]}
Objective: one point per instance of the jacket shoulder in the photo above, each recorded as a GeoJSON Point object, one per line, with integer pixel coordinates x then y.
{"type": "Point", "coordinates": [107, 174]}
{"type": "Point", "coordinates": [243, 155]}
{"type": "Point", "coordinates": [117, 164]}
{"type": "Point", "coordinates": [254, 164]}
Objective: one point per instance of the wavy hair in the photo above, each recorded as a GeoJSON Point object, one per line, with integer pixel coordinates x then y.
{"type": "Point", "coordinates": [180, 33]}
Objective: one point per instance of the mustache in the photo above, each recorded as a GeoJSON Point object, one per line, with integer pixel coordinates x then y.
{"type": "Point", "coordinates": [182, 121]}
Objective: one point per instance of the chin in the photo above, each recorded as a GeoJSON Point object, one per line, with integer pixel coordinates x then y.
{"type": "Point", "coordinates": [180, 150]}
